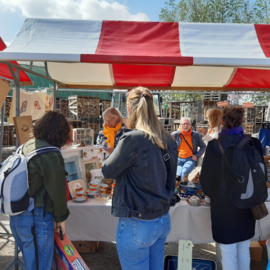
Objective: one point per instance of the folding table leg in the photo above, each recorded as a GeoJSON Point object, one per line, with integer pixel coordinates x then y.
{"type": "Point", "coordinates": [16, 261]}
{"type": "Point", "coordinates": [5, 229]}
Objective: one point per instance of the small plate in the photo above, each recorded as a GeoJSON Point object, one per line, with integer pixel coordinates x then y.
{"type": "Point", "coordinates": [105, 197]}
{"type": "Point", "coordinates": [80, 201]}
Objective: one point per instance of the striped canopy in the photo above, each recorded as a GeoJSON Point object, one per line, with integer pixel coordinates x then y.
{"type": "Point", "coordinates": [158, 55]}
{"type": "Point", "coordinates": [5, 72]}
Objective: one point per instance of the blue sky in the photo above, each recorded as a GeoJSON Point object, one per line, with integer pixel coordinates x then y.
{"type": "Point", "coordinates": [14, 12]}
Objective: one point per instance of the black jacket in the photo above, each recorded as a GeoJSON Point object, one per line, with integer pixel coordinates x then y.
{"type": "Point", "coordinates": [142, 190]}
{"type": "Point", "coordinates": [229, 223]}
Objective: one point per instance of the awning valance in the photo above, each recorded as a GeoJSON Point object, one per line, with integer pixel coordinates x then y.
{"type": "Point", "coordinates": [160, 55]}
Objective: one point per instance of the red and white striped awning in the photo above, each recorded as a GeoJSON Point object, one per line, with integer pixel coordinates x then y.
{"type": "Point", "coordinates": [5, 72]}
{"type": "Point", "coordinates": [158, 55]}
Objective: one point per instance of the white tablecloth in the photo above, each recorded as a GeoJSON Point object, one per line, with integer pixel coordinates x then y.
{"type": "Point", "coordinates": [92, 221]}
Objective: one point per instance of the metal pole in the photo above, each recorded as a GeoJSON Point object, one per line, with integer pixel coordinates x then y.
{"type": "Point", "coordinates": [119, 100]}
{"type": "Point", "coordinates": [17, 99]}
{"type": "Point", "coordinates": [16, 79]}
{"type": "Point", "coordinates": [55, 90]}
{"type": "Point", "coordinates": [2, 129]}
{"type": "Point", "coordinates": [112, 101]}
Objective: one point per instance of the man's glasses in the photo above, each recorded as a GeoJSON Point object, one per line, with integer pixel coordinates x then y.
{"type": "Point", "coordinates": [185, 124]}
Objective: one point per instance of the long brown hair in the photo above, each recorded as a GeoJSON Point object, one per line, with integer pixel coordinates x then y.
{"type": "Point", "coordinates": [52, 127]}
{"type": "Point", "coordinates": [142, 116]}
{"type": "Point", "coordinates": [214, 116]}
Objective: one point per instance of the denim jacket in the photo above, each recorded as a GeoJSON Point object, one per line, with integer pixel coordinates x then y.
{"type": "Point", "coordinates": [142, 189]}
{"type": "Point", "coordinates": [196, 142]}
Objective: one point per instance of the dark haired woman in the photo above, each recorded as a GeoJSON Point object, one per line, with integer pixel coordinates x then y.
{"type": "Point", "coordinates": [47, 186]}
{"type": "Point", "coordinates": [232, 227]}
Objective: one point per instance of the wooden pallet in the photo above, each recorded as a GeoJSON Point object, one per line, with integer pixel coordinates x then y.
{"type": "Point", "coordinates": [249, 128]}
{"type": "Point", "coordinates": [84, 107]}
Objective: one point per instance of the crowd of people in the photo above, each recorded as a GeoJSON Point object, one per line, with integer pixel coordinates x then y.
{"type": "Point", "coordinates": [145, 160]}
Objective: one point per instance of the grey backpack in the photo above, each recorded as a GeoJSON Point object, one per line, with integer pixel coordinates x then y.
{"type": "Point", "coordinates": [14, 188]}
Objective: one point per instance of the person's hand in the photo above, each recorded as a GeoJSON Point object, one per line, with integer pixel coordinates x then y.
{"type": "Point", "coordinates": [194, 157]}
{"type": "Point", "coordinates": [109, 149]}
{"type": "Point", "coordinates": [60, 226]}
{"type": "Point", "coordinates": [202, 131]}
{"type": "Point", "coordinates": [177, 183]}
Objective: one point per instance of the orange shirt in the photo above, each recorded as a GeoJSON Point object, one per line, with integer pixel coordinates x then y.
{"type": "Point", "coordinates": [184, 151]}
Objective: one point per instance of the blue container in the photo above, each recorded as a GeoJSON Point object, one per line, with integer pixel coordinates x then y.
{"type": "Point", "coordinates": [170, 263]}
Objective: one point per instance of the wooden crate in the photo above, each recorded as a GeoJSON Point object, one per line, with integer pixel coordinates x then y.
{"type": "Point", "coordinates": [84, 107]}
{"type": "Point", "coordinates": [8, 136]}
{"type": "Point", "coordinates": [93, 125]}
{"type": "Point", "coordinates": [249, 128]}
{"type": "Point", "coordinates": [169, 128]}
{"type": "Point", "coordinates": [105, 104]}
{"type": "Point", "coordinates": [7, 106]}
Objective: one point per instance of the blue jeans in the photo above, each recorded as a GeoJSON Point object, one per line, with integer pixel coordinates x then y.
{"type": "Point", "coordinates": [140, 243]}
{"type": "Point", "coordinates": [185, 166]}
{"type": "Point", "coordinates": [21, 226]}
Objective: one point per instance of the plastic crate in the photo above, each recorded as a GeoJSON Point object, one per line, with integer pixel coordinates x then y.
{"type": "Point", "coordinates": [170, 263]}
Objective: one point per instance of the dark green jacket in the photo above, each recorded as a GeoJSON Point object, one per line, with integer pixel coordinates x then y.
{"type": "Point", "coordinates": [47, 170]}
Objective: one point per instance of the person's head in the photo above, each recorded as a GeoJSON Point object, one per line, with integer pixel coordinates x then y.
{"type": "Point", "coordinates": [233, 116]}
{"type": "Point", "coordinates": [112, 117]}
{"type": "Point", "coordinates": [185, 124]}
{"type": "Point", "coordinates": [142, 116]}
{"type": "Point", "coordinates": [52, 127]}
{"type": "Point", "coordinates": [214, 117]}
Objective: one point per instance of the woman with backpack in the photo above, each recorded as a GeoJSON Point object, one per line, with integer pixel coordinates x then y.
{"type": "Point", "coordinates": [232, 227]}
{"type": "Point", "coordinates": [33, 230]}
{"type": "Point", "coordinates": [144, 185]}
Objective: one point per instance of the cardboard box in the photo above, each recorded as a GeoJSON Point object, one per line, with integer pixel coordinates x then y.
{"type": "Point", "coordinates": [256, 251]}
{"type": "Point", "coordinates": [255, 265]}
{"type": "Point", "coordinates": [68, 254]}
{"type": "Point", "coordinates": [86, 246]}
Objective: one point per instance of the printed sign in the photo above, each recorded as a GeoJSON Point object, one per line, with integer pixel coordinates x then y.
{"type": "Point", "coordinates": [223, 104]}
{"type": "Point", "coordinates": [248, 105]}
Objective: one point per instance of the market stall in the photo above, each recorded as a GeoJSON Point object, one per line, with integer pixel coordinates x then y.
{"type": "Point", "coordinates": [165, 56]}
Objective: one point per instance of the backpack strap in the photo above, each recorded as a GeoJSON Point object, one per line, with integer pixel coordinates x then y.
{"type": "Point", "coordinates": [187, 142]}
{"type": "Point", "coordinates": [223, 154]}
{"type": "Point", "coordinates": [42, 150]}
{"type": "Point", "coordinates": [246, 138]}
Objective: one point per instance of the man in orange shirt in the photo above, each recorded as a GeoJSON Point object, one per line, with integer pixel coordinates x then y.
{"type": "Point", "coordinates": [188, 142]}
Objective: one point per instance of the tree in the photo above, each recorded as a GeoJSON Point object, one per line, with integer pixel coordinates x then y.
{"type": "Point", "coordinates": [217, 11]}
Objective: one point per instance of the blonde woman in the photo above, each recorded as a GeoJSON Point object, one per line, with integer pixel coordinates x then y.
{"type": "Point", "coordinates": [144, 186]}
{"type": "Point", "coordinates": [112, 131]}
{"type": "Point", "coordinates": [215, 118]}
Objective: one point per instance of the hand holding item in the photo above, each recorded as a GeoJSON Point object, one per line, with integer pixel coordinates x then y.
{"type": "Point", "coordinates": [109, 149]}
{"type": "Point", "coordinates": [202, 131]}
{"type": "Point", "coordinates": [60, 226]}
{"type": "Point", "coordinates": [194, 157]}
